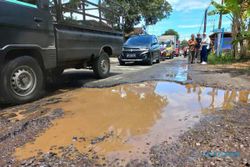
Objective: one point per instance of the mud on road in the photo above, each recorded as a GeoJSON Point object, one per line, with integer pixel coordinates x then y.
{"type": "Point", "coordinates": [156, 116]}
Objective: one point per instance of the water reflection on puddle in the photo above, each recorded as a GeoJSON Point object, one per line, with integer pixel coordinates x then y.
{"type": "Point", "coordinates": [178, 74]}
{"type": "Point", "coordinates": [125, 121]}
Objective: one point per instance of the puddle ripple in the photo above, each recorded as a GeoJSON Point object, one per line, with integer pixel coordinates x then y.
{"type": "Point", "coordinates": [125, 121]}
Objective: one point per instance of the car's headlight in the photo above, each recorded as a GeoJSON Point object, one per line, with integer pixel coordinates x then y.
{"type": "Point", "coordinates": [144, 49]}
{"type": "Point", "coordinates": [145, 52]}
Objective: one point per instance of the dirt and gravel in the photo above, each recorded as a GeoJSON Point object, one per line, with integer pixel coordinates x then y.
{"type": "Point", "coordinates": [220, 138]}
{"type": "Point", "coordinates": [234, 76]}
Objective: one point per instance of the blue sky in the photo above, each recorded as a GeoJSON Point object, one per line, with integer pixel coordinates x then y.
{"type": "Point", "coordinates": [186, 19]}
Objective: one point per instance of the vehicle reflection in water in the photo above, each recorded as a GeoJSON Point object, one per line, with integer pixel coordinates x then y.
{"type": "Point", "coordinates": [125, 121]}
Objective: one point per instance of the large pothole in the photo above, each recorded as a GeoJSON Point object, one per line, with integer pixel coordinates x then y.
{"type": "Point", "coordinates": [124, 122]}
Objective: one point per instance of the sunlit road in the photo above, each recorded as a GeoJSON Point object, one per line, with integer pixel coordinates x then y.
{"type": "Point", "coordinates": [130, 73]}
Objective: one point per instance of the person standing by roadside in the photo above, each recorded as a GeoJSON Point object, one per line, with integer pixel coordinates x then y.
{"type": "Point", "coordinates": [198, 48]}
{"type": "Point", "coordinates": [192, 44]}
{"type": "Point", "coordinates": [205, 44]}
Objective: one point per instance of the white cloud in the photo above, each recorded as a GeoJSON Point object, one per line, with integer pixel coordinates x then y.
{"type": "Point", "coordinates": [225, 23]}
{"type": "Point", "coordinates": [180, 5]}
{"type": "Point", "coordinates": [189, 26]}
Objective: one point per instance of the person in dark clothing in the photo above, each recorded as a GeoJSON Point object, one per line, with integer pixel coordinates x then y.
{"type": "Point", "coordinates": [205, 47]}
{"type": "Point", "coordinates": [198, 47]}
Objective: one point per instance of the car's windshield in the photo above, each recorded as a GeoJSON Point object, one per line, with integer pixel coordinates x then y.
{"type": "Point", "coordinates": [140, 40]}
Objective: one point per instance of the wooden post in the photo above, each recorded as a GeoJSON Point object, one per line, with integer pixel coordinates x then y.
{"type": "Point", "coordinates": [83, 10]}
{"type": "Point", "coordinates": [60, 12]}
{"type": "Point", "coordinates": [100, 12]}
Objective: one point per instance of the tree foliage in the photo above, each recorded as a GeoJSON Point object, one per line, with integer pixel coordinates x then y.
{"type": "Point", "coordinates": [184, 43]}
{"type": "Point", "coordinates": [172, 32]}
{"type": "Point", "coordinates": [150, 11]}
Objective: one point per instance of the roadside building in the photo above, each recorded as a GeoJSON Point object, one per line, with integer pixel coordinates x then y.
{"type": "Point", "coordinates": [226, 42]}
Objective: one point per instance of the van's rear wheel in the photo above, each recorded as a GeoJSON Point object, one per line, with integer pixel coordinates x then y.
{"type": "Point", "coordinates": [101, 65]}
{"type": "Point", "coordinates": [21, 80]}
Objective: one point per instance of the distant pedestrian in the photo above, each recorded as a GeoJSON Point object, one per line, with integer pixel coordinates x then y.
{"type": "Point", "coordinates": [198, 48]}
{"type": "Point", "coordinates": [185, 52]}
{"type": "Point", "coordinates": [205, 44]}
{"type": "Point", "coordinates": [192, 44]}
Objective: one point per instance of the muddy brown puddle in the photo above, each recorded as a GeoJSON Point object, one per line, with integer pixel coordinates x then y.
{"type": "Point", "coordinates": [124, 122]}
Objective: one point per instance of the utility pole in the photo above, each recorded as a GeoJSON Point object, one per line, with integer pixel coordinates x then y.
{"type": "Point", "coordinates": [219, 35]}
{"type": "Point", "coordinates": [220, 19]}
{"type": "Point", "coordinates": [205, 21]}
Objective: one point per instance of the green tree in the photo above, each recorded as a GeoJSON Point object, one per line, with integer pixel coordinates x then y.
{"type": "Point", "coordinates": [239, 11]}
{"type": "Point", "coordinates": [172, 32]}
{"type": "Point", "coordinates": [150, 11]}
{"type": "Point", "coordinates": [184, 43]}
{"type": "Point", "coordinates": [135, 11]}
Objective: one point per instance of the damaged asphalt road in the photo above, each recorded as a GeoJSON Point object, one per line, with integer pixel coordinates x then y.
{"type": "Point", "coordinates": [140, 116]}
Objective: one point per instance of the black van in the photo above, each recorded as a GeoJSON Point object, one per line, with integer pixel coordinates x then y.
{"type": "Point", "coordinates": [41, 38]}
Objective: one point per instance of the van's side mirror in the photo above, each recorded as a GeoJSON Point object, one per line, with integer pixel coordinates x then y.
{"type": "Point", "coordinates": [43, 4]}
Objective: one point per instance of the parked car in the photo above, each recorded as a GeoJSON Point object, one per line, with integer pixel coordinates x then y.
{"type": "Point", "coordinates": [142, 48]}
{"type": "Point", "coordinates": [41, 38]}
{"type": "Point", "coordinates": [170, 53]}
{"type": "Point", "coordinates": [170, 41]}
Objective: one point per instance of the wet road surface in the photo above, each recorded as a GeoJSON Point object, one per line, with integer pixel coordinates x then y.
{"type": "Point", "coordinates": [117, 123]}
{"type": "Point", "coordinates": [125, 121]}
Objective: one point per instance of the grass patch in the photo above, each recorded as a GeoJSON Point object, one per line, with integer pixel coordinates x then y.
{"type": "Point", "coordinates": [223, 59]}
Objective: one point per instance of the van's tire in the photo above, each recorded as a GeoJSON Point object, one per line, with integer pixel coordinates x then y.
{"type": "Point", "coordinates": [22, 81]}
{"type": "Point", "coordinates": [54, 76]}
{"type": "Point", "coordinates": [101, 66]}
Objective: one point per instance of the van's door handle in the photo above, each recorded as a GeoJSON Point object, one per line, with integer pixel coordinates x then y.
{"type": "Point", "coordinates": [38, 19]}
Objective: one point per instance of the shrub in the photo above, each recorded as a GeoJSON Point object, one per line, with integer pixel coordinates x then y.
{"type": "Point", "coordinates": [225, 58]}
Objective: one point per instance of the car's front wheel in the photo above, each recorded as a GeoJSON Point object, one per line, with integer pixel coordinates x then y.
{"type": "Point", "coordinates": [158, 59]}
{"type": "Point", "coordinates": [150, 60]}
{"type": "Point", "coordinates": [22, 80]}
{"type": "Point", "coordinates": [122, 63]}
{"type": "Point", "coordinates": [101, 65]}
